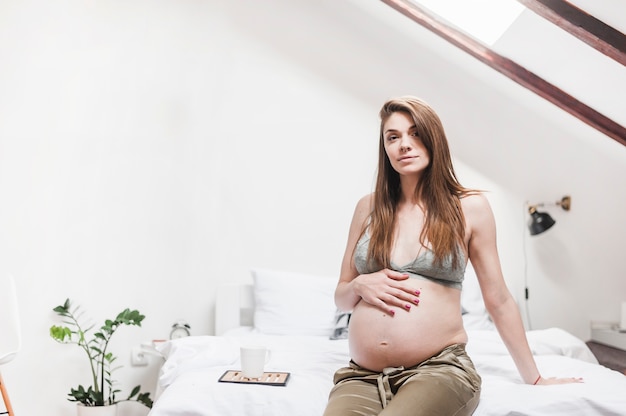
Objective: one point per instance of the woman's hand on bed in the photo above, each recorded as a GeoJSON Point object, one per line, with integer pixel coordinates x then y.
{"type": "Point", "coordinates": [554, 380]}
{"type": "Point", "coordinates": [385, 289]}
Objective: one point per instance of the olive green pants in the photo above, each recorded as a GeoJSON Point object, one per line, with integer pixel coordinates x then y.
{"type": "Point", "coordinates": [446, 384]}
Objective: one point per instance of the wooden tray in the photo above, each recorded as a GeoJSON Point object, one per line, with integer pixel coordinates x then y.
{"type": "Point", "coordinates": [270, 378]}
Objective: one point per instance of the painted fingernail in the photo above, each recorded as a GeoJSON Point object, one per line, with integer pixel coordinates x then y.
{"type": "Point", "coordinates": [416, 301]}
{"type": "Point", "coordinates": [392, 312]}
{"type": "Point", "coordinates": [407, 306]}
{"type": "Point", "coordinates": [417, 292]}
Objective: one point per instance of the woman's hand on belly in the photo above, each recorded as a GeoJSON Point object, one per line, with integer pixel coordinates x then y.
{"type": "Point", "coordinates": [387, 289]}
{"type": "Point", "coordinates": [378, 340]}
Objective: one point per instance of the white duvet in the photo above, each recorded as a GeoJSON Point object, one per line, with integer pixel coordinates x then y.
{"type": "Point", "coordinates": [188, 385]}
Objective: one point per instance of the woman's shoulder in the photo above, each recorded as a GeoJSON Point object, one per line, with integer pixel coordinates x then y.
{"type": "Point", "coordinates": [366, 201]}
{"type": "Point", "coordinates": [363, 209]}
{"type": "Point", "coordinates": [476, 208]}
{"type": "Point", "coordinates": [474, 200]}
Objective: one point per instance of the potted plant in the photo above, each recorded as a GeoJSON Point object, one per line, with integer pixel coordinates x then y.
{"type": "Point", "coordinates": [102, 391]}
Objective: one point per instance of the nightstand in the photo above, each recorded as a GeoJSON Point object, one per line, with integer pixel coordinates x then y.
{"type": "Point", "coordinates": [609, 347]}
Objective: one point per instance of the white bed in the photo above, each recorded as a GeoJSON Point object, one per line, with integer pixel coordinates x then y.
{"type": "Point", "coordinates": [293, 314]}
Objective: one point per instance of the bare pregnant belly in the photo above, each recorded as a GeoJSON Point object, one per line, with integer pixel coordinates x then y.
{"type": "Point", "coordinates": [378, 340]}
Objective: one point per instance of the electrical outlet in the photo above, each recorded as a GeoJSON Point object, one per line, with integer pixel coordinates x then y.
{"type": "Point", "coordinates": [138, 357]}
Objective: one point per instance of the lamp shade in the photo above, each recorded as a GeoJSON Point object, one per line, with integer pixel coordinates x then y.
{"type": "Point", "coordinates": [539, 222]}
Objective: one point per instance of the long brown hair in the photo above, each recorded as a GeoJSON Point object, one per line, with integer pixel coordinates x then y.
{"type": "Point", "coordinates": [439, 190]}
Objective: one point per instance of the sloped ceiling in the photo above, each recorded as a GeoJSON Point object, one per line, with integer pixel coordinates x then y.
{"type": "Point", "coordinates": [567, 62]}
{"type": "Point", "coordinates": [582, 24]}
{"type": "Point", "coordinates": [566, 67]}
{"type": "Point", "coordinates": [611, 12]}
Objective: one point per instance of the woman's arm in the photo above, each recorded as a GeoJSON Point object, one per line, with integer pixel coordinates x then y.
{"type": "Point", "coordinates": [383, 288]}
{"type": "Point", "coordinates": [500, 304]}
{"type": "Point", "coordinates": [345, 296]}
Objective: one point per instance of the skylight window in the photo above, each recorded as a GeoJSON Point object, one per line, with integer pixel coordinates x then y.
{"type": "Point", "coordinates": [485, 20]}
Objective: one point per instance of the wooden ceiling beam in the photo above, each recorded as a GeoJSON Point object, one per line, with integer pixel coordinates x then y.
{"type": "Point", "coordinates": [595, 33]}
{"type": "Point", "coordinates": [510, 69]}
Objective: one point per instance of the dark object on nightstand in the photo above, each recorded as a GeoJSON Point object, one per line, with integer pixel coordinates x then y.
{"type": "Point", "coordinates": [610, 357]}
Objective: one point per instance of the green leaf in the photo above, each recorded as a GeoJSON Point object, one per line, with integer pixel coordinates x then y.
{"type": "Point", "coordinates": [144, 398]}
{"type": "Point", "coordinates": [63, 309]}
{"type": "Point", "coordinates": [129, 317]}
{"type": "Point", "coordinates": [134, 392]}
{"type": "Point", "coordinates": [60, 333]}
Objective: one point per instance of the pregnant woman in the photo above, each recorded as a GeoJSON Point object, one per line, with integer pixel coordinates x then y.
{"type": "Point", "coordinates": [408, 246]}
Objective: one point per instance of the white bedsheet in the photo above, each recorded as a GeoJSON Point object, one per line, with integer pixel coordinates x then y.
{"type": "Point", "coordinates": [189, 386]}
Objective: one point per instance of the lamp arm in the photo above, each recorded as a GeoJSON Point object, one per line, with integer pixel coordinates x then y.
{"type": "Point", "coordinates": [565, 203]}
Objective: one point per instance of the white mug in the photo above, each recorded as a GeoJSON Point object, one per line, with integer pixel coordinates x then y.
{"type": "Point", "coordinates": [253, 360]}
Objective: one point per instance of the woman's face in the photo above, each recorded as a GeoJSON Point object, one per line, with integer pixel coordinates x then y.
{"type": "Point", "coordinates": [405, 150]}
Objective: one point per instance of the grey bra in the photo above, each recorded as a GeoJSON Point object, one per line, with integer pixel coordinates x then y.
{"type": "Point", "coordinates": [422, 267]}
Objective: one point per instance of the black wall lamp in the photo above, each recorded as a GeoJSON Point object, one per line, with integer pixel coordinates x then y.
{"type": "Point", "coordinates": [542, 221]}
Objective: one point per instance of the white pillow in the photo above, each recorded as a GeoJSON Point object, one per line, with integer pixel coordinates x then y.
{"type": "Point", "coordinates": [289, 303]}
{"type": "Point", "coordinates": [475, 314]}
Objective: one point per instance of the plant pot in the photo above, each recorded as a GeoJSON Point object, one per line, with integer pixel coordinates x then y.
{"type": "Point", "coordinates": [82, 410]}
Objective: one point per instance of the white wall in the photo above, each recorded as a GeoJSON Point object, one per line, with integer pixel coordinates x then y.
{"type": "Point", "coordinates": [152, 150]}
